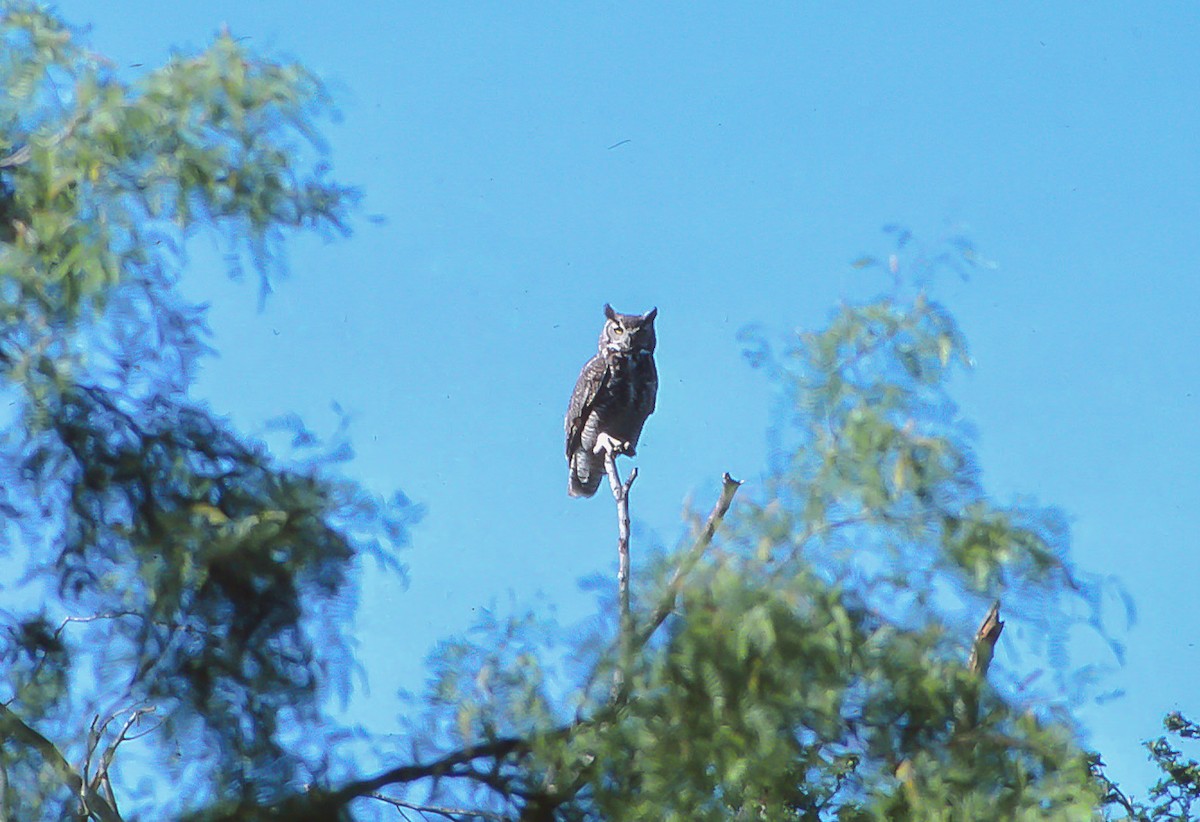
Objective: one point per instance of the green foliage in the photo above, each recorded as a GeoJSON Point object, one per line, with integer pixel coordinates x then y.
{"type": "Point", "coordinates": [1177, 792]}
{"type": "Point", "coordinates": [814, 665]}
{"type": "Point", "coordinates": [1179, 788]}
{"type": "Point", "coordinates": [180, 581]}
{"type": "Point", "coordinates": [174, 573]}
{"type": "Point", "coordinates": [103, 175]}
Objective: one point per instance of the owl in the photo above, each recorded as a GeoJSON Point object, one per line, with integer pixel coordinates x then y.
{"type": "Point", "coordinates": [612, 398]}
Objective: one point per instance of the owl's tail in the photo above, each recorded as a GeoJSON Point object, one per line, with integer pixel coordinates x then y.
{"type": "Point", "coordinates": [584, 475]}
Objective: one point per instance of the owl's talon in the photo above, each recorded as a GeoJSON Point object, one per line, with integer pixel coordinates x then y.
{"type": "Point", "coordinates": [608, 444]}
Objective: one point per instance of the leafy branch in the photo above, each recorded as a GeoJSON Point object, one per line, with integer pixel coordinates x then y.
{"type": "Point", "coordinates": [496, 754]}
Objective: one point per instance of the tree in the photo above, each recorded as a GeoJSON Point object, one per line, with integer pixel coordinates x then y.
{"type": "Point", "coordinates": [809, 652]}
{"type": "Point", "coordinates": [178, 579]}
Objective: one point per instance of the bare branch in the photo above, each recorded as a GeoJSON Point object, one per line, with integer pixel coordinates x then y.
{"type": "Point", "coordinates": [620, 492]}
{"type": "Point", "coordinates": [982, 650]}
{"type": "Point", "coordinates": [729, 487]}
{"type": "Point", "coordinates": [438, 810]}
{"type": "Point", "coordinates": [984, 646]}
{"type": "Point", "coordinates": [100, 778]}
{"type": "Point", "coordinates": [446, 766]}
{"type": "Point", "coordinates": [93, 618]}
{"type": "Point", "coordinates": [18, 157]}
{"type": "Point", "coordinates": [14, 727]}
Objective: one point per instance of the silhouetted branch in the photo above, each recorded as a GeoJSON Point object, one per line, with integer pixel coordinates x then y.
{"type": "Point", "coordinates": [1113, 795]}
{"type": "Point", "coordinates": [438, 810]}
{"type": "Point", "coordinates": [321, 805]}
{"type": "Point", "coordinates": [457, 764]}
{"type": "Point", "coordinates": [325, 806]}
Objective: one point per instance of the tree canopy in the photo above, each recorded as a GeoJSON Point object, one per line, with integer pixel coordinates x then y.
{"type": "Point", "coordinates": [175, 627]}
{"type": "Point", "coordinates": [170, 567]}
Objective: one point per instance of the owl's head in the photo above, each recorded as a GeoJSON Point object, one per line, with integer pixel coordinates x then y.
{"type": "Point", "coordinates": [628, 333]}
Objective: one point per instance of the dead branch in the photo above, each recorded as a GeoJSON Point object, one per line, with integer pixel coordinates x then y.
{"type": "Point", "coordinates": [982, 651]}
{"type": "Point", "coordinates": [620, 492]}
{"type": "Point", "coordinates": [100, 779]}
{"type": "Point", "coordinates": [14, 727]}
{"type": "Point", "coordinates": [984, 646]}
{"type": "Point", "coordinates": [666, 605]}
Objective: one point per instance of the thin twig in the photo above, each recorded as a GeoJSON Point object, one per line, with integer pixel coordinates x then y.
{"type": "Point", "coordinates": [438, 810]}
{"type": "Point", "coordinates": [14, 728]}
{"type": "Point", "coordinates": [108, 615]}
{"type": "Point", "coordinates": [1113, 794]}
{"type": "Point", "coordinates": [106, 758]}
{"type": "Point", "coordinates": [666, 605]}
{"type": "Point", "coordinates": [620, 492]}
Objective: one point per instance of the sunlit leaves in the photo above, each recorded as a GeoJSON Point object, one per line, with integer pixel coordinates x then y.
{"type": "Point", "coordinates": [1178, 790]}
{"type": "Point", "coordinates": [103, 170]}
{"type": "Point", "coordinates": [815, 663]}
{"type": "Point", "coordinates": [174, 563]}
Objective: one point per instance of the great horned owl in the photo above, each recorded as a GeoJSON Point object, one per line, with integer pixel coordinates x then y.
{"type": "Point", "coordinates": [612, 399]}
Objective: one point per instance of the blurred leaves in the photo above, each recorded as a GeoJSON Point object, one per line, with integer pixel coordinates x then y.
{"type": "Point", "coordinates": [814, 663]}
{"type": "Point", "coordinates": [162, 561]}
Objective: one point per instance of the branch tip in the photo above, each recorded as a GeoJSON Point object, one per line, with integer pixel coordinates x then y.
{"type": "Point", "coordinates": [985, 640]}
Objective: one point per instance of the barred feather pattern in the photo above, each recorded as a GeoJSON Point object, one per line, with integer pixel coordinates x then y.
{"type": "Point", "coordinates": [615, 393]}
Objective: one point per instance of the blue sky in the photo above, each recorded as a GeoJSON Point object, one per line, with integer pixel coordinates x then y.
{"type": "Point", "coordinates": [725, 163]}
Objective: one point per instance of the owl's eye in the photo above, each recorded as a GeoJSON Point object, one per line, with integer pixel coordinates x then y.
{"type": "Point", "coordinates": [618, 329]}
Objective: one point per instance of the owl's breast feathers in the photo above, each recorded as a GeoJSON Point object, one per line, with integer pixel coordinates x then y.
{"type": "Point", "coordinates": [614, 395]}
{"type": "Point", "coordinates": [632, 385]}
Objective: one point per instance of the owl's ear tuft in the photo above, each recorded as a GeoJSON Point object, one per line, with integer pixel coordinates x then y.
{"type": "Point", "coordinates": [650, 315]}
{"type": "Point", "coordinates": [608, 312]}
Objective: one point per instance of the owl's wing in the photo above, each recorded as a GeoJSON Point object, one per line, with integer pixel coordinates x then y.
{"type": "Point", "coordinates": [591, 380]}
{"type": "Point", "coordinates": [651, 386]}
